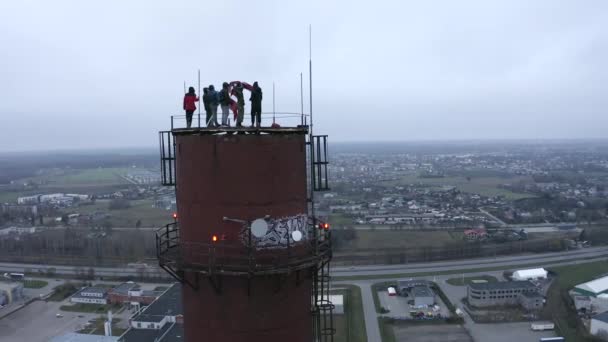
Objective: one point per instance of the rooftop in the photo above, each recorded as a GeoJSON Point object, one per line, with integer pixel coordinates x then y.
{"type": "Point", "coordinates": [602, 317]}
{"type": "Point", "coordinates": [422, 291]}
{"type": "Point", "coordinates": [503, 285]}
{"type": "Point", "coordinates": [169, 333]}
{"type": "Point", "coordinates": [594, 286]}
{"type": "Point", "coordinates": [75, 337]}
{"type": "Point", "coordinates": [124, 288]}
{"type": "Point", "coordinates": [168, 304]}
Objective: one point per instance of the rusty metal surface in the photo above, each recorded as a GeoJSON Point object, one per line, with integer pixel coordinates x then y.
{"type": "Point", "coordinates": [268, 315]}
{"type": "Point", "coordinates": [242, 177]}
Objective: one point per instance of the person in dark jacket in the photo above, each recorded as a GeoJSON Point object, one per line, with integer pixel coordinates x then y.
{"type": "Point", "coordinates": [206, 105]}
{"type": "Point", "coordinates": [213, 103]}
{"type": "Point", "coordinates": [240, 101]}
{"type": "Point", "coordinates": [224, 99]}
{"type": "Point", "coordinates": [190, 100]}
{"type": "Point", "coordinates": [256, 105]}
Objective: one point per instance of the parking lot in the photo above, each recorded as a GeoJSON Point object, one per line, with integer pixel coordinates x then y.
{"type": "Point", "coordinates": [433, 333]}
{"type": "Point", "coordinates": [398, 305]}
{"type": "Point", "coordinates": [37, 322]}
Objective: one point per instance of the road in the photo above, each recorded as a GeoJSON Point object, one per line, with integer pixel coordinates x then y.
{"type": "Point", "coordinates": [379, 271]}
{"type": "Point", "coordinates": [468, 264]}
{"type": "Point", "coordinates": [369, 309]}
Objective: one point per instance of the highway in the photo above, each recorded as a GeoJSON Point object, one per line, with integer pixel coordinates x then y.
{"type": "Point", "coordinates": [352, 271]}
{"type": "Point", "coordinates": [377, 272]}
{"type": "Point", "coordinates": [469, 264]}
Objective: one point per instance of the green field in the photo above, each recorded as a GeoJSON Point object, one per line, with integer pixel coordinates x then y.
{"type": "Point", "coordinates": [468, 280]}
{"type": "Point", "coordinates": [558, 307]}
{"type": "Point", "coordinates": [486, 186]}
{"type": "Point", "coordinates": [69, 178]}
{"type": "Point", "coordinates": [139, 210]}
{"type": "Point", "coordinates": [350, 327]}
{"type": "Point", "coordinates": [366, 239]}
{"type": "Point", "coordinates": [34, 284]}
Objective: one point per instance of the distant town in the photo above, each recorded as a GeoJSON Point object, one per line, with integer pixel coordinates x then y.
{"type": "Point", "coordinates": [516, 234]}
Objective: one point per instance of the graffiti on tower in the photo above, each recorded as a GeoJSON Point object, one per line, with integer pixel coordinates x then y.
{"type": "Point", "coordinates": [279, 232]}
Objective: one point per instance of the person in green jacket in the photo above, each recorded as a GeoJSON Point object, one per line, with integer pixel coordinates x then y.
{"type": "Point", "coordinates": [240, 102]}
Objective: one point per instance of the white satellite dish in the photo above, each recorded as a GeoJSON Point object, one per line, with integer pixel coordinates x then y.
{"type": "Point", "coordinates": [296, 235]}
{"type": "Point", "coordinates": [259, 228]}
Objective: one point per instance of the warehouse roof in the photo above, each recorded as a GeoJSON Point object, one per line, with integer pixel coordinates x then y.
{"type": "Point", "coordinates": [422, 291]}
{"type": "Point", "coordinates": [168, 304]}
{"type": "Point", "coordinates": [530, 274]}
{"type": "Point", "coordinates": [75, 337]}
{"type": "Point", "coordinates": [595, 286]}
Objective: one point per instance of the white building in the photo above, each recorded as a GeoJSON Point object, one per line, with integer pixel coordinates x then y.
{"type": "Point", "coordinates": [90, 295]}
{"type": "Point", "coordinates": [17, 230]}
{"type": "Point", "coordinates": [530, 274]}
{"type": "Point", "coordinates": [599, 324]}
{"type": "Point", "coordinates": [593, 288]}
{"type": "Point", "coordinates": [28, 199]}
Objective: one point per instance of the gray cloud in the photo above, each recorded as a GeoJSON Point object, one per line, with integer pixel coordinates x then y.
{"type": "Point", "coordinates": [78, 74]}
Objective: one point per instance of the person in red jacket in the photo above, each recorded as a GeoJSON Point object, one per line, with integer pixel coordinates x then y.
{"type": "Point", "coordinates": [190, 105]}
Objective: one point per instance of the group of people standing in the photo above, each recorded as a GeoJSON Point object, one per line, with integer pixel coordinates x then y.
{"type": "Point", "coordinates": [213, 99]}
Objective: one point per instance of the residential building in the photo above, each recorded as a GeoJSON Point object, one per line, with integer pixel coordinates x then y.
{"type": "Point", "coordinates": [130, 292]}
{"type": "Point", "coordinates": [90, 295]}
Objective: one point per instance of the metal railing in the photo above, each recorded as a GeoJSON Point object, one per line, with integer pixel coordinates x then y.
{"type": "Point", "coordinates": [238, 258]}
{"type": "Point", "coordinates": [167, 157]}
{"type": "Point", "coordinates": [284, 119]}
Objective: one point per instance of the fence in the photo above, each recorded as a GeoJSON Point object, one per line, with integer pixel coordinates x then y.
{"type": "Point", "coordinates": [284, 119]}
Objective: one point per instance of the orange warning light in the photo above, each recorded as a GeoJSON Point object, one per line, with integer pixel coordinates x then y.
{"type": "Point", "coordinates": [175, 216]}
{"type": "Point", "coordinates": [214, 238]}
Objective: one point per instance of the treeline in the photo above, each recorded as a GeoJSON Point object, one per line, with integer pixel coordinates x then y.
{"type": "Point", "coordinates": [79, 247]}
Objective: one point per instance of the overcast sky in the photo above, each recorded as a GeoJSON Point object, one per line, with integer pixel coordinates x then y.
{"type": "Point", "coordinates": [81, 74]}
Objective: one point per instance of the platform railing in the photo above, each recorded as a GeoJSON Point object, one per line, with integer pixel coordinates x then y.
{"type": "Point", "coordinates": [283, 119]}
{"type": "Point", "coordinates": [238, 258]}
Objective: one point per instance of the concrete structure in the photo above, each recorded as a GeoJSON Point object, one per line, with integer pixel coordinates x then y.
{"type": "Point", "coordinates": [593, 288]}
{"type": "Point", "coordinates": [599, 325]}
{"type": "Point", "coordinates": [530, 274]}
{"type": "Point", "coordinates": [423, 296]}
{"type": "Point", "coordinates": [247, 247]}
{"type": "Point", "coordinates": [497, 294]}
{"type": "Point", "coordinates": [90, 295]}
{"type": "Point", "coordinates": [10, 292]}
{"type": "Point", "coordinates": [161, 321]}
{"type": "Point", "coordinates": [531, 301]}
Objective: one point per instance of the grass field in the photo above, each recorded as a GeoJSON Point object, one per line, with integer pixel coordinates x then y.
{"type": "Point", "coordinates": [397, 239]}
{"type": "Point", "coordinates": [350, 327]}
{"type": "Point", "coordinates": [486, 186]}
{"type": "Point", "coordinates": [468, 280]}
{"type": "Point", "coordinates": [386, 330]}
{"type": "Point", "coordinates": [98, 176]}
{"type": "Point", "coordinates": [139, 210]}
{"type": "Point", "coordinates": [34, 284]}
{"type": "Point", "coordinates": [558, 306]}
